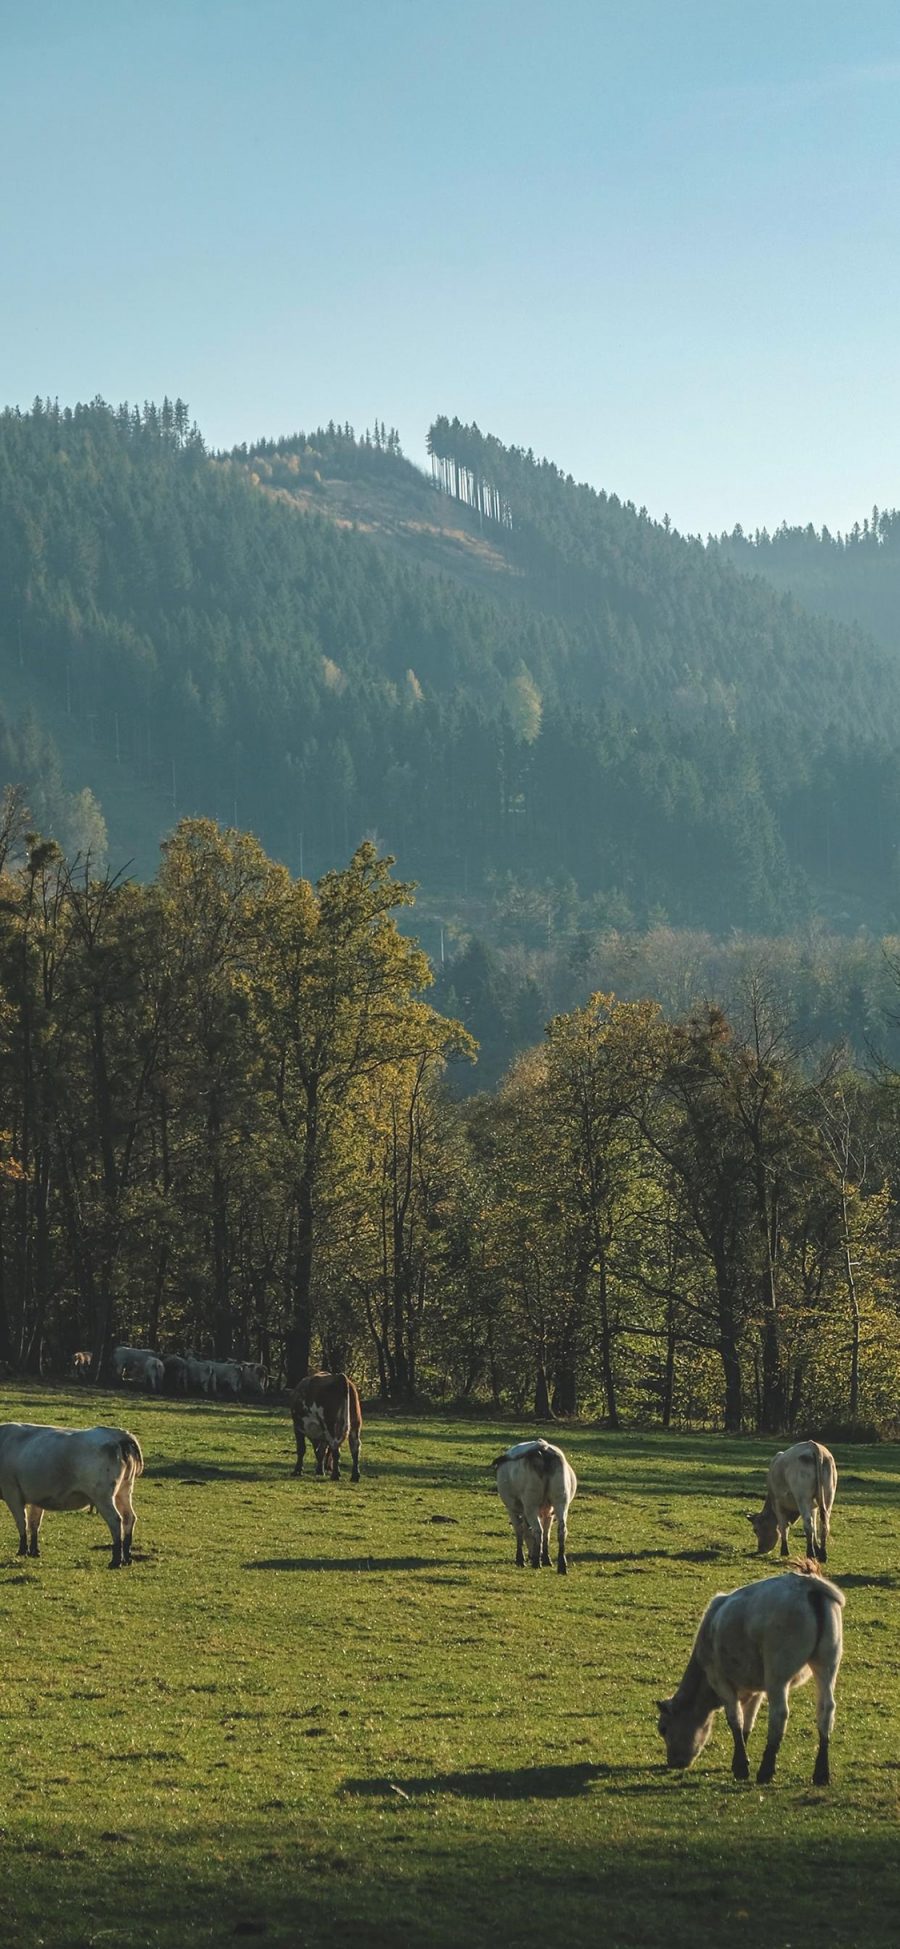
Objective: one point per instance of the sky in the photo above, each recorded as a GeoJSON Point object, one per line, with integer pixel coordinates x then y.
{"type": "Point", "coordinates": [656, 240]}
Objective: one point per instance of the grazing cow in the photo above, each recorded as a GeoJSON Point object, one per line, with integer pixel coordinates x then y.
{"type": "Point", "coordinates": [801, 1482]}
{"type": "Point", "coordinates": [325, 1407]}
{"type": "Point", "coordinates": [764, 1638]}
{"type": "Point", "coordinates": [227, 1377]}
{"type": "Point", "coordinates": [254, 1379]}
{"type": "Point", "coordinates": [69, 1468]}
{"type": "Point", "coordinates": [535, 1483]}
{"type": "Point", "coordinates": [201, 1375]}
{"type": "Point", "coordinates": [139, 1364]}
{"type": "Point", "coordinates": [81, 1366]}
{"type": "Point", "coordinates": [175, 1369]}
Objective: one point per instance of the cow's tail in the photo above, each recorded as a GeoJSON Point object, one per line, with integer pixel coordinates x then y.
{"type": "Point", "coordinates": [824, 1598]}
{"type": "Point", "coordinates": [130, 1449]}
{"type": "Point", "coordinates": [342, 1418]}
{"type": "Point", "coordinates": [820, 1491]}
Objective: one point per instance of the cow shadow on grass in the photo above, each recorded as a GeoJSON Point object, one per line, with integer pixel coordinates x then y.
{"type": "Point", "coordinates": [357, 1563]}
{"type": "Point", "coordinates": [713, 1553]}
{"type": "Point", "coordinates": [483, 1783]}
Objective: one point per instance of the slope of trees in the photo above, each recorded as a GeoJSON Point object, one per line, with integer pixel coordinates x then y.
{"type": "Point", "coordinates": [639, 725]}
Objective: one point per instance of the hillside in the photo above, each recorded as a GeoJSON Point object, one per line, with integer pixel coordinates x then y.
{"type": "Point", "coordinates": [852, 578]}
{"type": "Point", "coordinates": [535, 696]}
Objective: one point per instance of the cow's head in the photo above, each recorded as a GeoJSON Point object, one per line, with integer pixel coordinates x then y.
{"type": "Point", "coordinates": [765, 1529]}
{"type": "Point", "coordinates": [684, 1734]}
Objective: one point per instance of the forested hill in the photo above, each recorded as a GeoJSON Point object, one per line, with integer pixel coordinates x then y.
{"type": "Point", "coordinates": [854, 578]}
{"type": "Point", "coordinates": [511, 681]}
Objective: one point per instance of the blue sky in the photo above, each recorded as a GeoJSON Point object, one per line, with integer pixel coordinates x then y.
{"type": "Point", "coordinates": [659, 242]}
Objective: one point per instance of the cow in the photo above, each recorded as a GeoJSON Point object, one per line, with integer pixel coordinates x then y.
{"type": "Point", "coordinates": [254, 1379]}
{"type": "Point", "coordinates": [764, 1638]}
{"type": "Point", "coordinates": [139, 1364]}
{"type": "Point", "coordinates": [227, 1377]}
{"type": "Point", "coordinates": [536, 1483]}
{"type": "Point", "coordinates": [325, 1407]}
{"type": "Point", "coordinates": [175, 1370]}
{"type": "Point", "coordinates": [81, 1366]}
{"type": "Point", "coordinates": [801, 1482]}
{"type": "Point", "coordinates": [200, 1374]}
{"type": "Point", "coordinates": [69, 1468]}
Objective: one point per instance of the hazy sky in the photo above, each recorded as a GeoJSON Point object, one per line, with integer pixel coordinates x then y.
{"type": "Point", "coordinates": [658, 240]}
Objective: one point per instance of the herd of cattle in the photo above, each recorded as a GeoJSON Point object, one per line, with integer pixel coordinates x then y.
{"type": "Point", "coordinates": [175, 1373]}
{"type": "Point", "coordinates": [759, 1641]}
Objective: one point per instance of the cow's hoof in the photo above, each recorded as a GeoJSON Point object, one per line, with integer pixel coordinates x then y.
{"type": "Point", "coordinates": [766, 1773]}
{"type": "Point", "coordinates": [563, 1569]}
{"type": "Point", "coordinates": [821, 1775]}
{"type": "Point", "coordinates": [740, 1769]}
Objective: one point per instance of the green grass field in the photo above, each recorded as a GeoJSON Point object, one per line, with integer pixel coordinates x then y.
{"type": "Point", "coordinates": [314, 1712]}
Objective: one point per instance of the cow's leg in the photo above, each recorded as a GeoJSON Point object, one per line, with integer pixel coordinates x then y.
{"type": "Point", "coordinates": [562, 1562]}
{"type": "Point", "coordinates": [321, 1450]}
{"type": "Point", "coordinates": [16, 1508]}
{"type": "Point", "coordinates": [125, 1507]}
{"type": "Point", "coordinates": [537, 1538]}
{"type": "Point", "coordinates": [520, 1527]}
{"type": "Point", "coordinates": [354, 1443]}
{"type": "Point", "coordinates": [825, 1708]}
{"type": "Point", "coordinates": [334, 1448]}
{"type": "Point", "coordinates": [778, 1718]}
{"type": "Point", "coordinates": [808, 1519]}
{"type": "Point", "coordinates": [734, 1713]}
{"type": "Point", "coordinates": [34, 1517]}
{"type": "Point", "coordinates": [301, 1447]}
{"type": "Point", "coordinates": [751, 1708]}
{"type": "Point", "coordinates": [546, 1520]}
{"type": "Point", "coordinates": [783, 1533]}
{"type": "Point", "coordinates": [106, 1507]}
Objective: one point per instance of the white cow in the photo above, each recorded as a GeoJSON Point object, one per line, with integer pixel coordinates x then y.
{"type": "Point", "coordinates": [201, 1375]}
{"type": "Point", "coordinates": [139, 1364]}
{"type": "Point", "coordinates": [69, 1468]}
{"type": "Point", "coordinates": [254, 1378]}
{"type": "Point", "coordinates": [535, 1483]}
{"type": "Point", "coordinates": [801, 1482]}
{"type": "Point", "coordinates": [765, 1638]}
{"type": "Point", "coordinates": [227, 1377]}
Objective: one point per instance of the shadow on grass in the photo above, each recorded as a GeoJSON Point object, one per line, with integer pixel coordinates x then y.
{"type": "Point", "coordinates": [714, 1553]}
{"type": "Point", "coordinates": [517, 1783]}
{"type": "Point", "coordinates": [526, 1881]}
{"type": "Point", "coordinates": [356, 1563]}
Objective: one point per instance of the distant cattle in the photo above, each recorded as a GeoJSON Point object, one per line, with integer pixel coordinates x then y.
{"type": "Point", "coordinates": [325, 1408]}
{"type": "Point", "coordinates": [139, 1364]}
{"type": "Point", "coordinates": [175, 1370]}
{"type": "Point", "coordinates": [535, 1483]}
{"type": "Point", "coordinates": [81, 1366]}
{"type": "Point", "coordinates": [761, 1640]}
{"type": "Point", "coordinates": [201, 1377]}
{"type": "Point", "coordinates": [227, 1377]}
{"type": "Point", "coordinates": [69, 1468]}
{"type": "Point", "coordinates": [801, 1482]}
{"type": "Point", "coordinates": [254, 1379]}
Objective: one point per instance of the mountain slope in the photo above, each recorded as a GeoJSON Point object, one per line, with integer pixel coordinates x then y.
{"type": "Point", "coordinates": [517, 684]}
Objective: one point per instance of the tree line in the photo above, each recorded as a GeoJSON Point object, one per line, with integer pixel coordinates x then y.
{"type": "Point", "coordinates": [229, 1125]}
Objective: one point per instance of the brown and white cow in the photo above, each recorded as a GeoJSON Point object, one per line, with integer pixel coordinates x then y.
{"type": "Point", "coordinates": [801, 1482]}
{"type": "Point", "coordinates": [325, 1410]}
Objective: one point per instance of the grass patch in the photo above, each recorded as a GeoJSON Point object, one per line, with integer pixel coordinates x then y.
{"type": "Point", "coordinates": [312, 1707]}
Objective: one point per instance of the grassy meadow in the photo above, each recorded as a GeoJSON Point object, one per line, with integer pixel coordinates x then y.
{"type": "Point", "coordinates": [313, 1712]}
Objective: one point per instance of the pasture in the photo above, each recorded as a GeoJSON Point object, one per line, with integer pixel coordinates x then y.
{"type": "Point", "coordinates": [313, 1712]}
